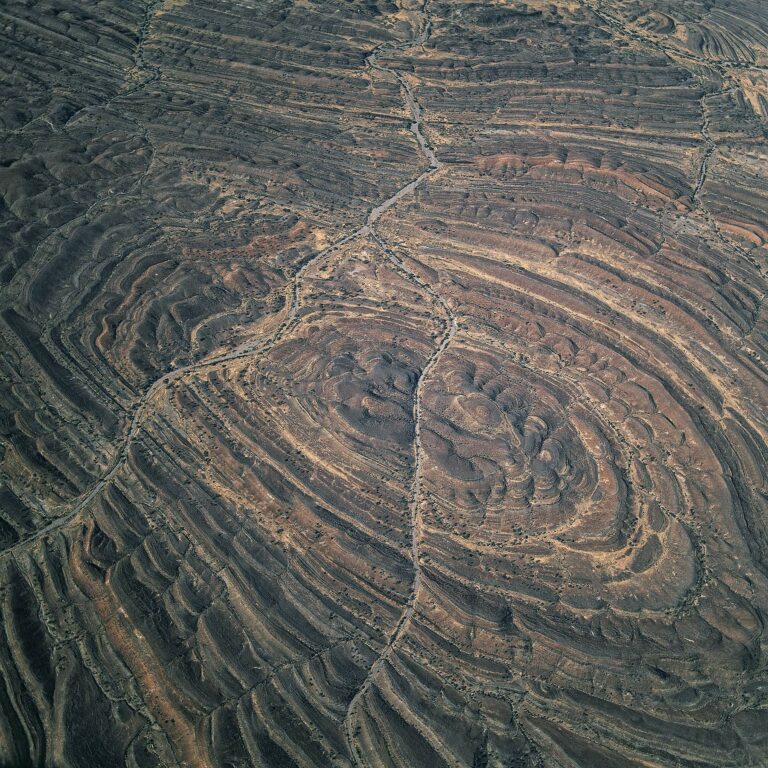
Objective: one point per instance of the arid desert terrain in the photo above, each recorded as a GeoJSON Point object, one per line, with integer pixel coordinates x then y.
{"type": "Point", "coordinates": [383, 384]}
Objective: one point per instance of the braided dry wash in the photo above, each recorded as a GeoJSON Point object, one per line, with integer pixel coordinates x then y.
{"type": "Point", "coordinates": [415, 521]}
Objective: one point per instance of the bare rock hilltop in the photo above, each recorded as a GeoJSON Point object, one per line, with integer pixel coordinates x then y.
{"type": "Point", "coordinates": [384, 384]}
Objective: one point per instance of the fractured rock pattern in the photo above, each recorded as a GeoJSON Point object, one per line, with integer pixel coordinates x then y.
{"type": "Point", "coordinates": [384, 383]}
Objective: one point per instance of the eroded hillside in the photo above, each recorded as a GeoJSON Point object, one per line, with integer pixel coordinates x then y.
{"type": "Point", "coordinates": [384, 383]}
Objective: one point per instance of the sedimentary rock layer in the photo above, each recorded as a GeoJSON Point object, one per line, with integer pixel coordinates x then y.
{"type": "Point", "coordinates": [384, 384]}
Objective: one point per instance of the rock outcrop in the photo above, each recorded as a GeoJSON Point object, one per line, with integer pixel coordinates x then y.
{"type": "Point", "coordinates": [384, 384]}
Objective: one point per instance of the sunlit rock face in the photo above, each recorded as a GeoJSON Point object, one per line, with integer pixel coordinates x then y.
{"type": "Point", "coordinates": [384, 384]}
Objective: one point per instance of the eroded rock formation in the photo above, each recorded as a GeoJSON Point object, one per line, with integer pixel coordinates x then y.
{"type": "Point", "coordinates": [384, 384]}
